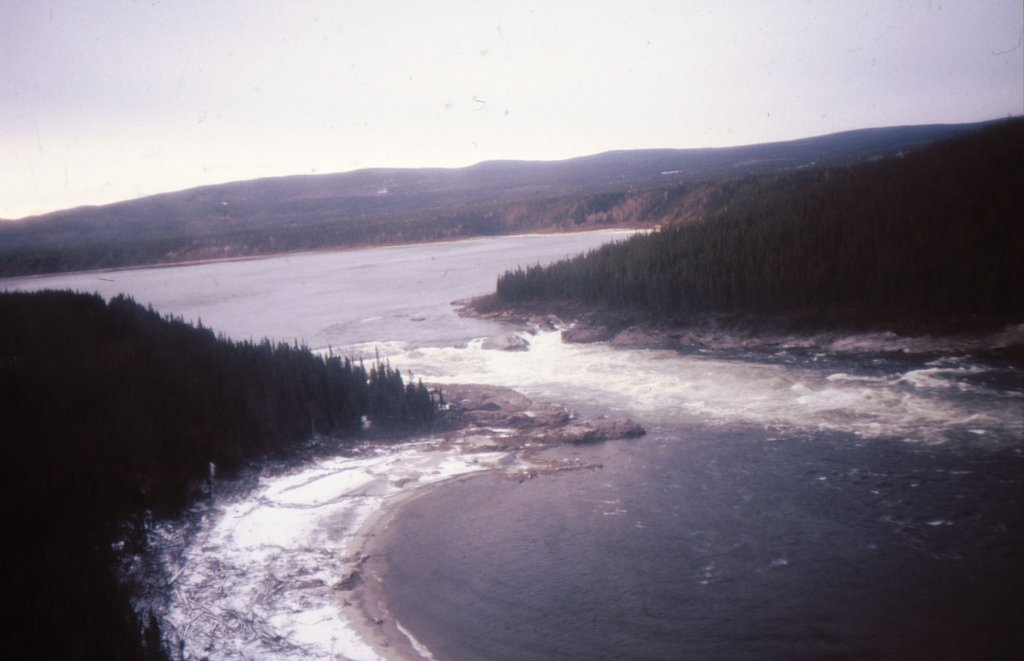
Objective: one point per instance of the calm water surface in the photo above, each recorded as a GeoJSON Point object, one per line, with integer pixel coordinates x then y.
{"type": "Point", "coordinates": [784, 504]}
{"type": "Point", "coordinates": [335, 298]}
{"type": "Point", "coordinates": [858, 501]}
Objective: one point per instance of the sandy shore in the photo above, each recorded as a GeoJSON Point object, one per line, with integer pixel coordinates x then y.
{"type": "Point", "coordinates": [293, 567]}
{"type": "Point", "coordinates": [365, 603]}
{"type": "Point", "coordinates": [485, 419]}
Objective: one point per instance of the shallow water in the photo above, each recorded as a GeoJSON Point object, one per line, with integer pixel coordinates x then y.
{"type": "Point", "coordinates": [851, 499]}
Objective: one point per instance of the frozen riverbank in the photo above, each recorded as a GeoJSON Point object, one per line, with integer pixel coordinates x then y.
{"type": "Point", "coordinates": [801, 469]}
{"type": "Point", "coordinates": [283, 571]}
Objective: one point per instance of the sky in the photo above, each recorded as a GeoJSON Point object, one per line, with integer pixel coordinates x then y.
{"type": "Point", "coordinates": [105, 100]}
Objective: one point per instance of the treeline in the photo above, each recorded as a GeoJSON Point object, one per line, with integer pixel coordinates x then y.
{"type": "Point", "coordinates": [109, 411]}
{"type": "Point", "coordinates": [372, 207]}
{"type": "Point", "coordinates": [24, 250]}
{"type": "Point", "coordinates": [934, 234]}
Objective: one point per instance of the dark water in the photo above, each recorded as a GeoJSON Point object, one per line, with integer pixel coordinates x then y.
{"type": "Point", "coordinates": [723, 545]}
{"type": "Point", "coordinates": [855, 497]}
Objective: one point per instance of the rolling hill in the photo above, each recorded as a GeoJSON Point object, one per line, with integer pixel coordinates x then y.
{"type": "Point", "coordinates": [376, 206]}
{"type": "Point", "coordinates": [931, 240]}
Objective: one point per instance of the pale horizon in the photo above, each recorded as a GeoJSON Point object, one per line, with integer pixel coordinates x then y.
{"type": "Point", "coordinates": [99, 105]}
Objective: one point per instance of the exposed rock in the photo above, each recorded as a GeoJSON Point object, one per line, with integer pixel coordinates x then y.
{"type": "Point", "coordinates": [544, 415]}
{"type": "Point", "coordinates": [587, 334]}
{"type": "Point", "coordinates": [350, 582]}
{"type": "Point", "coordinates": [597, 431]}
{"type": "Point", "coordinates": [478, 410]}
{"type": "Point", "coordinates": [510, 342]}
{"type": "Point", "coordinates": [550, 322]}
{"type": "Point", "coordinates": [646, 338]}
{"type": "Point", "coordinates": [623, 428]}
{"type": "Point", "coordinates": [478, 397]}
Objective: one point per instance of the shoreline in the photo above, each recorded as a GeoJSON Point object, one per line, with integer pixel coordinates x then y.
{"type": "Point", "coordinates": [313, 251]}
{"type": "Point", "coordinates": [583, 324]}
{"type": "Point", "coordinates": [922, 534]}
{"type": "Point", "coordinates": [299, 560]}
{"type": "Point", "coordinates": [544, 427]}
{"type": "Point", "coordinates": [368, 613]}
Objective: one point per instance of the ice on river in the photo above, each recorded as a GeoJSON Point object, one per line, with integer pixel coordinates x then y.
{"type": "Point", "coordinates": [258, 578]}
{"type": "Point", "coordinates": [261, 577]}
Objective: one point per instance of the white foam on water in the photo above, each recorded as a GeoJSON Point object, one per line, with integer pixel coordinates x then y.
{"type": "Point", "coordinates": [891, 342]}
{"type": "Point", "coordinates": [420, 648]}
{"type": "Point", "coordinates": [925, 404]}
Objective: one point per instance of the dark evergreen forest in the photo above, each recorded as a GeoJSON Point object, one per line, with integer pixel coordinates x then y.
{"type": "Point", "coordinates": [637, 188]}
{"type": "Point", "coordinates": [109, 411]}
{"type": "Point", "coordinates": [937, 234]}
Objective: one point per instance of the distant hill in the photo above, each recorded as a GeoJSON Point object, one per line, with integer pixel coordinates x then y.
{"type": "Point", "coordinates": [377, 206]}
{"type": "Point", "coordinates": [932, 239]}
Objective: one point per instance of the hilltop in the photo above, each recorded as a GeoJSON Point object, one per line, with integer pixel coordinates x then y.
{"type": "Point", "coordinates": [930, 240]}
{"type": "Point", "coordinates": [637, 188]}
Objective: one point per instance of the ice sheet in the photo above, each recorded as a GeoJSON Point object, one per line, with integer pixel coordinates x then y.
{"type": "Point", "coordinates": [261, 578]}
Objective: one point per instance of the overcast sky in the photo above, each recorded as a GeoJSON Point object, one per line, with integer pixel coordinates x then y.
{"type": "Point", "coordinates": [108, 100]}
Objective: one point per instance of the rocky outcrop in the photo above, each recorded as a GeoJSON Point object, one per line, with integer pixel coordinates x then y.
{"type": "Point", "coordinates": [509, 342]}
{"type": "Point", "coordinates": [640, 337]}
{"type": "Point", "coordinates": [582, 334]}
{"type": "Point", "coordinates": [510, 420]}
{"type": "Point", "coordinates": [597, 431]}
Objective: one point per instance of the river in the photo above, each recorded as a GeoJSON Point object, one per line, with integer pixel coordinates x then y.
{"type": "Point", "coordinates": [858, 496]}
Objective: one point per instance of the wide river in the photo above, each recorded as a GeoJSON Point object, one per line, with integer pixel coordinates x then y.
{"type": "Point", "coordinates": [853, 497]}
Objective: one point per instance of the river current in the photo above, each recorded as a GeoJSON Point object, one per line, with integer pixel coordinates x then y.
{"type": "Point", "coordinates": [859, 496]}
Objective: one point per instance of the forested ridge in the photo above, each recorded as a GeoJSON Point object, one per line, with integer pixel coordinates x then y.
{"type": "Point", "coordinates": [631, 188]}
{"type": "Point", "coordinates": [933, 234]}
{"type": "Point", "coordinates": [109, 411]}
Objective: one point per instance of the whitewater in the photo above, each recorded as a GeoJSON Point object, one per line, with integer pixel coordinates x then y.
{"type": "Point", "coordinates": [269, 571]}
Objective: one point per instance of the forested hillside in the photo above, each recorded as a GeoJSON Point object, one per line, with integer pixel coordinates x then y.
{"type": "Point", "coordinates": [107, 411]}
{"type": "Point", "coordinates": [937, 233]}
{"type": "Point", "coordinates": [378, 206]}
